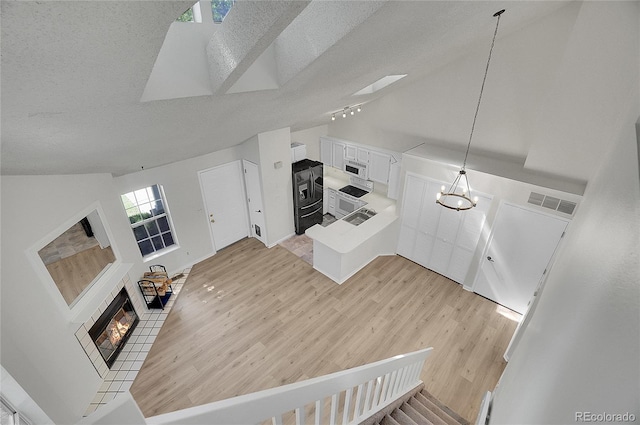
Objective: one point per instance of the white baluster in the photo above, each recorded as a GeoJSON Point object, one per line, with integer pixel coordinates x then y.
{"type": "Point", "coordinates": [347, 405]}
{"type": "Point", "coordinates": [319, 404]}
{"type": "Point", "coordinates": [367, 400]}
{"type": "Point", "coordinates": [300, 415]}
{"type": "Point", "coordinates": [334, 409]}
{"type": "Point", "coordinates": [359, 395]}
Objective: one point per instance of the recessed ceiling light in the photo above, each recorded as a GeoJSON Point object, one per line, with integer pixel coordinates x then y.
{"type": "Point", "coordinates": [380, 84]}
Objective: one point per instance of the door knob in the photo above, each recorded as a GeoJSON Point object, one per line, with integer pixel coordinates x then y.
{"type": "Point", "coordinates": [490, 259]}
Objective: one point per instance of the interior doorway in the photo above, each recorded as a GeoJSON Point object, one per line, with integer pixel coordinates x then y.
{"type": "Point", "coordinates": [254, 201]}
{"type": "Point", "coordinates": [517, 256]}
{"type": "Point", "coordinates": [225, 203]}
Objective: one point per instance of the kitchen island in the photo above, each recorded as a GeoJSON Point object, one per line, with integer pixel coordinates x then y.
{"type": "Point", "coordinates": [341, 249]}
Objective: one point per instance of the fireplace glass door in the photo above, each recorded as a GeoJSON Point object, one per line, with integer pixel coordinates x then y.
{"type": "Point", "coordinates": [114, 326]}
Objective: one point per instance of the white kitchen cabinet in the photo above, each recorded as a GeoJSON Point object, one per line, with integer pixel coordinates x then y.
{"type": "Point", "coordinates": [438, 238]}
{"type": "Point", "coordinates": [326, 152]}
{"type": "Point", "coordinates": [379, 167]}
{"type": "Point", "coordinates": [338, 154]}
{"type": "Point", "coordinates": [356, 153]}
{"type": "Point", "coordinates": [298, 152]}
{"type": "Point", "coordinates": [350, 152]}
{"type": "Point", "coordinates": [331, 201]}
{"type": "Point", "coordinates": [362, 155]}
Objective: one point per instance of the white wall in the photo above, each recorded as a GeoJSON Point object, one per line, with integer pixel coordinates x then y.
{"type": "Point", "coordinates": [277, 193]}
{"type": "Point", "coordinates": [185, 204]}
{"type": "Point", "coordinates": [39, 348]}
{"type": "Point", "coordinates": [553, 91]}
{"type": "Point", "coordinates": [13, 393]}
{"type": "Point", "coordinates": [581, 350]}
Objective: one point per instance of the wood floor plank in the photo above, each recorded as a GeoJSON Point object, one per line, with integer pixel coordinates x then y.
{"type": "Point", "coordinates": [251, 318]}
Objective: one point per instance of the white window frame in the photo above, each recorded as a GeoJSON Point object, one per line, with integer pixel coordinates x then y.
{"type": "Point", "coordinates": [157, 252]}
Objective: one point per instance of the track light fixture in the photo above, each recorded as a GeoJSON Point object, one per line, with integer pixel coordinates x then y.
{"type": "Point", "coordinates": [347, 110]}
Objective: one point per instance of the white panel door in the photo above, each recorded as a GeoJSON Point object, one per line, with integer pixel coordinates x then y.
{"type": "Point", "coordinates": [437, 238]}
{"type": "Point", "coordinates": [412, 204]}
{"type": "Point", "coordinates": [254, 201]}
{"type": "Point", "coordinates": [521, 246]}
{"type": "Point", "coordinates": [225, 203]}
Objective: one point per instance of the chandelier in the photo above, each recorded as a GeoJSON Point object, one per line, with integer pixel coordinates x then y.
{"type": "Point", "coordinates": [458, 197]}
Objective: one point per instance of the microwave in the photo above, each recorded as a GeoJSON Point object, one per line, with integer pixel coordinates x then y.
{"type": "Point", "coordinates": [356, 169]}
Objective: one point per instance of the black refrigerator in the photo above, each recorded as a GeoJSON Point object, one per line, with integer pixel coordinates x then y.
{"type": "Point", "coordinates": [307, 194]}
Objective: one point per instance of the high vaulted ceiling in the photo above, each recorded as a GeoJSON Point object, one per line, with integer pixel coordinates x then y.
{"type": "Point", "coordinates": [73, 73]}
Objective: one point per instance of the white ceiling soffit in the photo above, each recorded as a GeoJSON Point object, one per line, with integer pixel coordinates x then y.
{"type": "Point", "coordinates": [247, 32]}
{"type": "Point", "coordinates": [319, 26]}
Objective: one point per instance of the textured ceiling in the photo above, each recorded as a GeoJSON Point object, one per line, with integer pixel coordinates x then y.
{"type": "Point", "coordinates": [73, 74]}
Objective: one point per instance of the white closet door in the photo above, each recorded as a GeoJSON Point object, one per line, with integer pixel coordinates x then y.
{"type": "Point", "coordinates": [437, 238]}
{"type": "Point", "coordinates": [412, 204]}
{"type": "Point", "coordinates": [423, 249]}
{"type": "Point", "coordinates": [522, 244]}
{"type": "Point", "coordinates": [441, 257]}
{"type": "Point", "coordinates": [406, 241]}
{"type": "Point", "coordinates": [467, 240]}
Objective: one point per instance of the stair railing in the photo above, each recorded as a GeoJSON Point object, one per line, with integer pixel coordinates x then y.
{"type": "Point", "coordinates": [345, 397]}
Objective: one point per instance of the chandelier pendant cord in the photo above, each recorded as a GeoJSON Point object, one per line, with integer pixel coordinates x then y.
{"type": "Point", "coordinates": [475, 116]}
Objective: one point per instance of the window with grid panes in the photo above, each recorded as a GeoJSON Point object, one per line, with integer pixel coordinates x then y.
{"type": "Point", "coordinates": [147, 212]}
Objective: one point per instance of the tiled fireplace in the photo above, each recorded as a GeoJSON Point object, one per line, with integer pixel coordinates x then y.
{"type": "Point", "coordinates": [114, 327]}
{"type": "Point", "coordinates": [120, 375]}
{"type": "Point", "coordinates": [83, 332]}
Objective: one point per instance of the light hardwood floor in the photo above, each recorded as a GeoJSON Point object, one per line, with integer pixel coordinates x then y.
{"type": "Point", "coordinates": [251, 318]}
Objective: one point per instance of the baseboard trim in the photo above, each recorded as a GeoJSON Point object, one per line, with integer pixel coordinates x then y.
{"type": "Point", "coordinates": [281, 240]}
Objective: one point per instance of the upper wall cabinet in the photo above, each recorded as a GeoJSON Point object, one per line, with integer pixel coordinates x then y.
{"type": "Point", "coordinates": [379, 167]}
{"type": "Point", "coordinates": [350, 153]}
{"type": "Point", "coordinates": [334, 152]}
{"type": "Point", "coordinates": [356, 153]}
{"type": "Point", "coordinates": [326, 151]}
{"type": "Point", "coordinates": [337, 155]}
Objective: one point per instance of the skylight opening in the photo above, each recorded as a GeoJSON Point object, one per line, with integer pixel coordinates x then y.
{"type": "Point", "coordinates": [380, 84]}
{"type": "Point", "coordinates": [220, 9]}
{"type": "Point", "coordinates": [193, 14]}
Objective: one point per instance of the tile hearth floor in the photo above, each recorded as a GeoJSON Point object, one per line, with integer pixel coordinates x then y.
{"type": "Point", "coordinates": [125, 369]}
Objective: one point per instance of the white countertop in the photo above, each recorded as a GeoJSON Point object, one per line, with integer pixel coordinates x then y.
{"type": "Point", "coordinates": [344, 237]}
{"type": "Point", "coordinates": [333, 182]}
